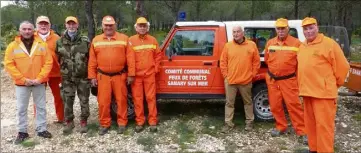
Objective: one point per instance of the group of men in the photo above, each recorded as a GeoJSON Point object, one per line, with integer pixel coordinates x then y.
{"type": "Point", "coordinates": [313, 70]}
{"type": "Point", "coordinates": [71, 64]}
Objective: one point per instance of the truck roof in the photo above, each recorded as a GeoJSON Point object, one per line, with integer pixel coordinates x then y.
{"type": "Point", "coordinates": [296, 24]}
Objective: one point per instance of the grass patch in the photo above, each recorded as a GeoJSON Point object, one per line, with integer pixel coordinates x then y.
{"type": "Point", "coordinates": [186, 134]}
{"type": "Point", "coordinates": [357, 117]}
{"type": "Point", "coordinates": [207, 123]}
{"type": "Point", "coordinates": [29, 143]}
{"type": "Point", "coordinates": [283, 148]}
{"type": "Point", "coordinates": [92, 129]}
{"type": "Point", "coordinates": [147, 141]}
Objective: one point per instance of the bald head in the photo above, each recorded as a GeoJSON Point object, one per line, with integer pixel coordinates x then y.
{"type": "Point", "coordinates": [237, 33]}
{"type": "Point", "coordinates": [26, 29]}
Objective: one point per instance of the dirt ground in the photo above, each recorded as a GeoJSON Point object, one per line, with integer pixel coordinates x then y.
{"type": "Point", "coordinates": [185, 126]}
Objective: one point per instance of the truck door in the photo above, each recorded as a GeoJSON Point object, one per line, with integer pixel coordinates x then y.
{"type": "Point", "coordinates": [190, 64]}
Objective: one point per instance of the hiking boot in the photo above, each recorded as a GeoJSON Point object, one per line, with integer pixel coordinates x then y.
{"type": "Point", "coordinates": [21, 137]}
{"type": "Point", "coordinates": [121, 129]}
{"type": "Point", "coordinates": [226, 129]}
{"type": "Point", "coordinates": [68, 127]}
{"type": "Point", "coordinates": [103, 130]}
{"type": "Point", "coordinates": [153, 128]}
{"type": "Point", "coordinates": [249, 126]}
{"type": "Point", "coordinates": [45, 134]}
{"type": "Point", "coordinates": [83, 126]}
{"type": "Point", "coordinates": [276, 133]}
{"type": "Point", "coordinates": [139, 128]}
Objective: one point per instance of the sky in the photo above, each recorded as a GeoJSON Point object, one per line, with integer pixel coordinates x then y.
{"type": "Point", "coordinates": [4, 3]}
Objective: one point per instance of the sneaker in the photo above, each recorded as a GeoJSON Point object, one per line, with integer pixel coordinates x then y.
{"type": "Point", "coordinates": [121, 129]}
{"type": "Point", "coordinates": [226, 129]}
{"type": "Point", "coordinates": [21, 137]}
{"type": "Point", "coordinates": [83, 126]}
{"type": "Point", "coordinates": [103, 130]}
{"type": "Point", "coordinates": [276, 133]}
{"type": "Point", "coordinates": [153, 128]}
{"type": "Point", "coordinates": [69, 127]}
{"type": "Point", "coordinates": [249, 126]}
{"type": "Point", "coordinates": [139, 128]}
{"type": "Point", "coordinates": [45, 134]}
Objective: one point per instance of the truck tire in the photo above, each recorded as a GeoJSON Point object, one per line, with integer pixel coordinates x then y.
{"type": "Point", "coordinates": [261, 107]}
{"type": "Point", "coordinates": [113, 105]}
{"type": "Point", "coordinates": [130, 110]}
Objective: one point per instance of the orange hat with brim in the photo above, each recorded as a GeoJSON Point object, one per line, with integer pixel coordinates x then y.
{"type": "Point", "coordinates": [108, 20]}
{"type": "Point", "coordinates": [71, 18]}
{"type": "Point", "coordinates": [141, 20]}
{"type": "Point", "coordinates": [308, 21]}
{"type": "Point", "coordinates": [42, 19]}
{"type": "Point", "coordinates": [281, 22]}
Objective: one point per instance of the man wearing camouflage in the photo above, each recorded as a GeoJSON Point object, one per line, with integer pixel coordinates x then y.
{"type": "Point", "coordinates": [72, 50]}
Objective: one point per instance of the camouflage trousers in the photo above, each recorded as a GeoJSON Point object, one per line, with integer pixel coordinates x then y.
{"type": "Point", "coordinates": [68, 88]}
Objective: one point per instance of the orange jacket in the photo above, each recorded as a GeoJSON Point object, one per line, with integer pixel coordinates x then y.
{"type": "Point", "coordinates": [110, 55]}
{"type": "Point", "coordinates": [240, 62]}
{"type": "Point", "coordinates": [51, 41]}
{"type": "Point", "coordinates": [281, 56]}
{"type": "Point", "coordinates": [20, 65]}
{"type": "Point", "coordinates": [322, 68]}
{"type": "Point", "coordinates": [147, 54]}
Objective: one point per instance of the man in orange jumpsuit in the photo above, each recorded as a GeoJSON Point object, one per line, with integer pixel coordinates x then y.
{"type": "Point", "coordinates": [108, 59]}
{"type": "Point", "coordinates": [45, 34]}
{"type": "Point", "coordinates": [239, 63]}
{"type": "Point", "coordinates": [281, 58]}
{"type": "Point", "coordinates": [322, 68]}
{"type": "Point", "coordinates": [147, 59]}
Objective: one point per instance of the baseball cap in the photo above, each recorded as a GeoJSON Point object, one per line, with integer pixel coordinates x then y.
{"type": "Point", "coordinates": [281, 22]}
{"type": "Point", "coordinates": [308, 21]}
{"type": "Point", "coordinates": [71, 18]}
{"type": "Point", "coordinates": [108, 20]}
{"type": "Point", "coordinates": [42, 19]}
{"type": "Point", "coordinates": [141, 20]}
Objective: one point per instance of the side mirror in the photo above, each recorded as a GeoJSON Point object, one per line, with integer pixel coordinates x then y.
{"type": "Point", "coordinates": [169, 52]}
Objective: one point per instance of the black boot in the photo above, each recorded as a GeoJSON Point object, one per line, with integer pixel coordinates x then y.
{"type": "Point", "coordinates": [21, 137]}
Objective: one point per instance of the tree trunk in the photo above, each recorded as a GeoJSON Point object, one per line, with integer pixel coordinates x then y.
{"type": "Point", "coordinates": [89, 16]}
{"type": "Point", "coordinates": [348, 22]}
{"type": "Point", "coordinates": [140, 8]}
{"type": "Point", "coordinates": [296, 9]}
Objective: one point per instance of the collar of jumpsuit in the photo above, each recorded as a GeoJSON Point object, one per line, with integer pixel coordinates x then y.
{"type": "Point", "coordinates": [284, 41]}
{"type": "Point", "coordinates": [110, 38]}
{"type": "Point", "coordinates": [244, 42]}
{"type": "Point", "coordinates": [317, 40]}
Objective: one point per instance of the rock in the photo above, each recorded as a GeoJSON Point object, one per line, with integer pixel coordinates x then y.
{"type": "Point", "coordinates": [174, 146]}
{"type": "Point", "coordinates": [343, 125]}
{"type": "Point", "coordinates": [212, 127]}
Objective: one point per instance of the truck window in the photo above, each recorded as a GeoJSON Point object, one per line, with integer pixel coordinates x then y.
{"type": "Point", "coordinates": [193, 43]}
{"type": "Point", "coordinates": [261, 35]}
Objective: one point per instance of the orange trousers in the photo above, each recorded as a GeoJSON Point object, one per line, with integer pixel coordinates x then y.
{"type": "Point", "coordinates": [116, 86]}
{"type": "Point", "coordinates": [58, 101]}
{"type": "Point", "coordinates": [287, 91]}
{"type": "Point", "coordinates": [147, 84]}
{"type": "Point", "coordinates": [320, 123]}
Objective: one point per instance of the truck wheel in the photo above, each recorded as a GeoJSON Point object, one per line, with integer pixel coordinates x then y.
{"type": "Point", "coordinates": [114, 107]}
{"type": "Point", "coordinates": [261, 108]}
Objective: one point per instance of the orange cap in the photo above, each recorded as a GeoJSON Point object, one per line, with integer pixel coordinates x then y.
{"type": "Point", "coordinates": [71, 18]}
{"type": "Point", "coordinates": [108, 20]}
{"type": "Point", "coordinates": [281, 22]}
{"type": "Point", "coordinates": [42, 19]}
{"type": "Point", "coordinates": [308, 21]}
{"type": "Point", "coordinates": [141, 20]}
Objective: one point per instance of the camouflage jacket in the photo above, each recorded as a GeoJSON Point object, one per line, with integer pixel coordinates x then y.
{"type": "Point", "coordinates": [73, 56]}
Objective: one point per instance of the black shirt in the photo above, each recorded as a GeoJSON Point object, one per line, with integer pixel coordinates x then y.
{"type": "Point", "coordinates": [28, 43]}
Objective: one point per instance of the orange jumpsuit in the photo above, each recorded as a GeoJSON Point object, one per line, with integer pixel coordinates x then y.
{"type": "Point", "coordinates": [106, 58]}
{"type": "Point", "coordinates": [147, 59]}
{"type": "Point", "coordinates": [54, 75]}
{"type": "Point", "coordinates": [322, 68]}
{"type": "Point", "coordinates": [281, 58]}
